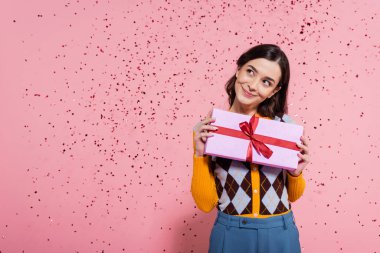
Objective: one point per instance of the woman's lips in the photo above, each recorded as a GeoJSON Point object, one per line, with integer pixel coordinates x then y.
{"type": "Point", "coordinates": [247, 94]}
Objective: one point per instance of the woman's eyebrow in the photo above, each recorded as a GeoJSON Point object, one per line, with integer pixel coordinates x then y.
{"type": "Point", "coordinates": [257, 72]}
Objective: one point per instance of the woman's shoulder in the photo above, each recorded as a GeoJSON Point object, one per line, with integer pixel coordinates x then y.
{"type": "Point", "coordinates": [285, 118]}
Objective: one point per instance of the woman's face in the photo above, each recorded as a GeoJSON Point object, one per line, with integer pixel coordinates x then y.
{"type": "Point", "coordinates": [256, 81]}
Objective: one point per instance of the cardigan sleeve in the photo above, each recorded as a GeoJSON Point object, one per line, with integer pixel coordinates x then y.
{"type": "Point", "coordinates": [203, 187]}
{"type": "Point", "coordinates": [296, 186]}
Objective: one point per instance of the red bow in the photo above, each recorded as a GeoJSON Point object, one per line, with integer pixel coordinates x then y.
{"type": "Point", "coordinates": [260, 147]}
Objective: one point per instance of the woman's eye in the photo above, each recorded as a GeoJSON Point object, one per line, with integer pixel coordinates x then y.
{"type": "Point", "coordinates": [268, 83]}
{"type": "Point", "coordinates": [251, 71]}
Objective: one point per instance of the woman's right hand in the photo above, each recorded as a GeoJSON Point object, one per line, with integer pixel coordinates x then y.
{"type": "Point", "coordinates": [201, 133]}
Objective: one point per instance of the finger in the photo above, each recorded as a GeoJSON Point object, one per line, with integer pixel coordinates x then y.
{"type": "Point", "coordinates": [209, 113]}
{"type": "Point", "coordinates": [208, 127]}
{"type": "Point", "coordinates": [207, 121]}
{"type": "Point", "coordinates": [205, 136]}
{"type": "Point", "coordinates": [300, 148]}
{"type": "Point", "coordinates": [303, 157]}
{"type": "Point", "coordinates": [303, 148]}
{"type": "Point", "coordinates": [304, 140]}
{"type": "Point", "coordinates": [208, 117]}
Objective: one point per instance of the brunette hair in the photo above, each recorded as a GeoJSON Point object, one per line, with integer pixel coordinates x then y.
{"type": "Point", "coordinates": [277, 104]}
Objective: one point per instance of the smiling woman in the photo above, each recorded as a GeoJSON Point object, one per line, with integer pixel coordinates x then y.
{"type": "Point", "coordinates": [253, 201]}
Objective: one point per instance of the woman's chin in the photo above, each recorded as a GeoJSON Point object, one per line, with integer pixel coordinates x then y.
{"type": "Point", "coordinates": [244, 100]}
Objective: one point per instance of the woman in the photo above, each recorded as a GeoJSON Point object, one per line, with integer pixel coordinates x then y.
{"type": "Point", "coordinates": [253, 201]}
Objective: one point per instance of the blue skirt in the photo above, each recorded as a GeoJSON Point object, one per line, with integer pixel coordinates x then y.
{"type": "Point", "coordinates": [234, 234]}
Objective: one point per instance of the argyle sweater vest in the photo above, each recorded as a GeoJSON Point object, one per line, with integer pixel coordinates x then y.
{"type": "Point", "coordinates": [234, 187]}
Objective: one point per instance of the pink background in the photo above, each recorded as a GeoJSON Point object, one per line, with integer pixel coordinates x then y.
{"type": "Point", "coordinates": [99, 98]}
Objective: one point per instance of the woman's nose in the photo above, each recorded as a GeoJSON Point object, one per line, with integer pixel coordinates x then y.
{"type": "Point", "coordinates": [252, 85]}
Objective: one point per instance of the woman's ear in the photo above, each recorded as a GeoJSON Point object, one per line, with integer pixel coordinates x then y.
{"type": "Point", "coordinates": [237, 72]}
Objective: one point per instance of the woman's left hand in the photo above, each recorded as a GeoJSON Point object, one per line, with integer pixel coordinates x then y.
{"type": "Point", "coordinates": [304, 155]}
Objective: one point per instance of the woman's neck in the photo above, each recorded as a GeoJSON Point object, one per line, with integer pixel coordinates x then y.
{"type": "Point", "coordinates": [242, 110]}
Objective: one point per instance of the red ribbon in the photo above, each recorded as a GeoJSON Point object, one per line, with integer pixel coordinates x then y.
{"type": "Point", "coordinates": [256, 141]}
{"type": "Point", "coordinates": [249, 130]}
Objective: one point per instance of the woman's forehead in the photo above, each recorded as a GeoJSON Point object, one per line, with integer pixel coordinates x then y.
{"type": "Point", "coordinates": [265, 67]}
